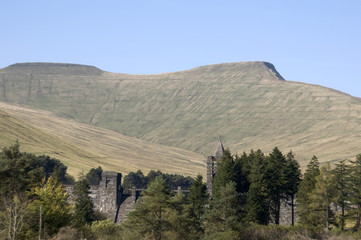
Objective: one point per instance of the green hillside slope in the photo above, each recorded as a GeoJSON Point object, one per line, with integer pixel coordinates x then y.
{"type": "Point", "coordinates": [82, 147]}
{"type": "Point", "coordinates": [248, 104]}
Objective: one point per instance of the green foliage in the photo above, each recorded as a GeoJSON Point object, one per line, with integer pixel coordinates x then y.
{"type": "Point", "coordinates": [50, 204]}
{"type": "Point", "coordinates": [307, 186]}
{"type": "Point", "coordinates": [106, 230]}
{"type": "Point", "coordinates": [149, 219]}
{"type": "Point", "coordinates": [173, 181]}
{"type": "Point", "coordinates": [136, 179]}
{"type": "Point", "coordinates": [320, 213]}
{"type": "Point", "coordinates": [94, 176]}
{"type": "Point", "coordinates": [258, 194]}
{"type": "Point", "coordinates": [355, 193]}
{"type": "Point", "coordinates": [225, 212]}
{"type": "Point", "coordinates": [341, 178]}
{"type": "Point", "coordinates": [19, 171]}
{"type": "Point", "coordinates": [84, 207]}
{"type": "Point", "coordinates": [231, 169]}
{"type": "Point", "coordinates": [198, 197]}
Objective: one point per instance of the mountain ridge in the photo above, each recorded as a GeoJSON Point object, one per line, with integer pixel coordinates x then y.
{"type": "Point", "coordinates": [248, 103]}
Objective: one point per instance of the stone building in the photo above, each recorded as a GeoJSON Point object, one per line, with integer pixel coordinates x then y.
{"type": "Point", "coordinates": [211, 165]}
{"type": "Point", "coordinates": [116, 203]}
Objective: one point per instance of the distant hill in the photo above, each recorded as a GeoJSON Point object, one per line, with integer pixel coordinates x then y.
{"type": "Point", "coordinates": [82, 146]}
{"type": "Point", "coordinates": [249, 104]}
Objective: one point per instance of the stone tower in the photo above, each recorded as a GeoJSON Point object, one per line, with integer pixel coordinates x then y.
{"type": "Point", "coordinates": [211, 166]}
{"type": "Point", "coordinates": [109, 193]}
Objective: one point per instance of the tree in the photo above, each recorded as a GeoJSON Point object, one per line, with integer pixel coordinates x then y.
{"type": "Point", "coordinates": [226, 172]}
{"type": "Point", "coordinates": [12, 212]}
{"type": "Point", "coordinates": [307, 186]}
{"type": "Point", "coordinates": [198, 197]}
{"type": "Point", "coordinates": [19, 171]}
{"type": "Point", "coordinates": [275, 171]}
{"type": "Point", "coordinates": [183, 222]}
{"type": "Point", "coordinates": [258, 194]}
{"type": "Point", "coordinates": [150, 217]}
{"type": "Point", "coordinates": [293, 176]}
{"type": "Point", "coordinates": [51, 206]}
{"type": "Point", "coordinates": [321, 196]}
{"type": "Point", "coordinates": [342, 182]}
{"type": "Point", "coordinates": [84, 207]}
{"type": "Point", "coordinates": [136, 179]}
{"type": "Point", "coordinates": [225, 211]}
{"type": "Point", "coordinates": [355, 193]}
{"type": "Point", "coordinates": [94, 176]}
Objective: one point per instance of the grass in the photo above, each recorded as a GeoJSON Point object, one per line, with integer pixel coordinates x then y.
{"type": "Point", "coordinates": [248, 104]}
{"type": "Point", "coordinates": [82, 146]}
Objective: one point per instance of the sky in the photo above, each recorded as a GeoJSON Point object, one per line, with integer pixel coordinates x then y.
{"type": "Point", "coordinates": [317, 42]}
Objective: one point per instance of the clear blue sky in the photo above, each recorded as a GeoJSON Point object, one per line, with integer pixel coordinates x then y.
{"type": "Point", "coordinates": [309, 41]}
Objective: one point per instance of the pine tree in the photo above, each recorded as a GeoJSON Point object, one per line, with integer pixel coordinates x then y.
{"type": "Point", "coordinates": [258, 194]}
{"type": "Point", "coordinates": [293, 176]}
{"type": "Point", "coordinates": [275, 171]}
{"type": "Point", "coordinates": [94, 176]}
{"type": "Point", "coordinates": [198, 197]}
{"type": "Point", "coordinates": [320, 199]}
{"type": "Point", "coordinates": [150, 217]}
{"type": "Point", "coordinates": [341, 175]}
{"type": "Point", "coordinates": [306, 187]}
{"type": "Point", "coordinates": [355, 191]}
{"type": "Point", "coordinates": [226, 172]}
{"type": "Point", "coordinates": [225, 211]}
{"type": "Point", "coordinates": [84, 207]}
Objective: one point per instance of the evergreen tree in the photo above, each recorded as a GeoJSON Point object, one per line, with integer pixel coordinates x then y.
{"type": "Point", "coordinates": [184, 224]}
{"type": "Point", "coordinates": [258, 194]}
{"type": "Point", "coordinates": [320, 199]}
{"type": "Point", "coordinates": [225, 211]}
{"type": "Point", "coordinates": [307, 186]}
{"type": "Point", "coordinates": [136, 179]}
{"type": "Point", "coordinates": [198, 197]}
{"type": "Point", "coordinates": [355, 191]}
{"type": "Point", "coordinates": [226, 172]}
{"type": "Point", "coordinates": [84, 207]}
{"type": "Point", "coordinates": [293, 176]}
{"type": "Point", "coordinates": [341, 175]}
{"type": "Point", "coordinates": [275, 171]}
{"type": "Point", "coordinates": [94, 176]}
{"type": "Point", "coordinates": [150, 217]}
{"type": "Point", "coordinates": [242, 168]}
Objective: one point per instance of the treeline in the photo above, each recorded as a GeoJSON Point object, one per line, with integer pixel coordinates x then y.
{"type": "Point", "coordinates": [33, 202]}
{"type": "Point", "coordinates": [173, 181]}
{"type": "Point", "coordinates": [248, 191]}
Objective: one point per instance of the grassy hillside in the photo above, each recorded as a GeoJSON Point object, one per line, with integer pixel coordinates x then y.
{"type": "Point", "coordinates": [82, 147]}
{"type": "Point", "coordinates": [248, 104]}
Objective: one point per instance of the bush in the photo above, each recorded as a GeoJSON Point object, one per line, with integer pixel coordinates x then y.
{"type": "Point", "coordinates": [106, 230]}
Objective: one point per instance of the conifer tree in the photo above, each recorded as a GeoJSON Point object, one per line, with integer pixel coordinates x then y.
{"type": "Point", "coordinates": [293, 176]}
{"type": "Point", "coordinates": [258, 194]}
{"type": "Point", "coordinates": [341, 175]}
{"type": "Point", "coordinates": [150, 219]}
{"type": "Point", "coordinates": [226, 172]}
{"type": "Point", "coordinates": [307, 186]}
{"type": "Point", "coordinates": [198, 197]}
{"type": "Point", "coordinates": [355, 191]}
{"type": "Point", "coordinates": [275, 170]}
{"type": "Point", "coordinates": [320, 199]}
{"type": "Point", "coordinates": [84, 207]}
{"type": "Point", "coordinates": [225, 211]}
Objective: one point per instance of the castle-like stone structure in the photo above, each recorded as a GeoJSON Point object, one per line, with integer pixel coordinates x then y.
{"type": "Point", "coordinates": [116, 203]}
{"type": "Point", "coordinates": [211, 166]}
